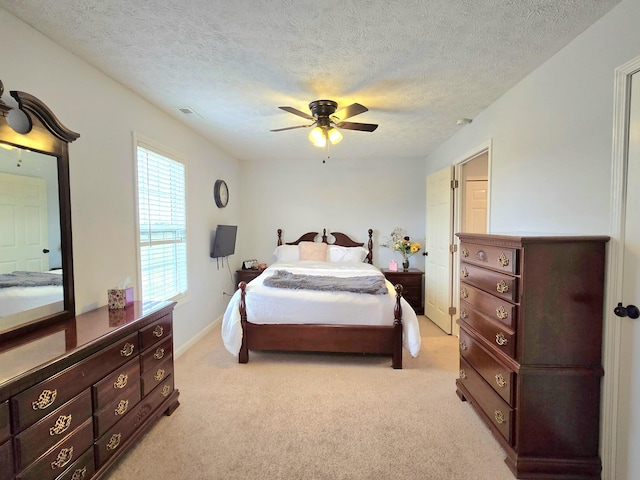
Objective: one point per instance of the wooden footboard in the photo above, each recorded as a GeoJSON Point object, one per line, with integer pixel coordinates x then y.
{"type": "Point", "coordinates": [380, 340]}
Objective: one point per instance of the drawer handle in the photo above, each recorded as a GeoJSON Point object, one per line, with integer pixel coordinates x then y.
{"type": "Point", "coordinates": [122, 407]}
{"type": "Point", "coordinates": [127, 350]}
{"type": "Point", "coordinates": [500, 380]}
{"type": "Point", "coordinates": [481, 256]}
{"type": "Point", "coordinates": [166, 390]}
{"type": "Point", "coordinates": [464, 293]}
{"type": "Point", "coordinates": [501, 313]}
{"type": "Point", "coordinates": [79, 474]}
{"type": "Point", "coordinates": [503, 260]}
{"type": "Point", "coordinates": [501, 339]}
{"type": "Point", "coordinates": [114, 441]}
{"type": "Point", "coordinates": [499, 416]}
{"type": "Point", "coordinates": [158, 331]}
{"type": "Point", "coordinates": [159, 354]}
{"type": "Point", "coordinates": [463, 346]}
{"type": "Point", "coordinates": [64, 456]}
{"type": "Point", "coordinates": [62, 425]}
{"type": "Point", "coordinates": [464, 273]}
{"type": "Point", "coordinates": [463, 374]}
{"type": "Point", "coordinates": [463, 314]}
{"type": "Point", "coordinates": [121, 382]}
{"type": "Point", "coordinates": [465, 252]}
{"type": "Point", "coordinates": [45, 399]}
{"type": "Point", "coordinates": [502, 287]}
{"type": "Point", "coordinates": [159, 375]}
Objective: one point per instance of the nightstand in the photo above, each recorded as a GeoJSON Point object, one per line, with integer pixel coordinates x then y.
{"type": "Point", "coordinates": [412, 286]}
{"type": "Point", "coordinates": [247, 275]}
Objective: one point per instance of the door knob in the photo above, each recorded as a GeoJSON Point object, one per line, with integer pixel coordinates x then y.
{"type": "Point", "coordinates": [630, 311]}
{"type": "Point", "coordinates": [45, 250]}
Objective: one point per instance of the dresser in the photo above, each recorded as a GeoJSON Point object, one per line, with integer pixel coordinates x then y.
{"type": "Point", "coordinates": [531, 312]}
{"type": "Point", "coordinates": [412, 286]}
{"type": "Point", "coordinates": [77, 395]}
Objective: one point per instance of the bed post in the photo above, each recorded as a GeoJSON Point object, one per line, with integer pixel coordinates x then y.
{"type": "Point", "coordinates": [243, 356]}
{"type": "Point", "coordinates": [370, 247]}
{"type": "Point", "coordinates": [279, 236]}
{"type": "Point", "coordinates": [397, 330]}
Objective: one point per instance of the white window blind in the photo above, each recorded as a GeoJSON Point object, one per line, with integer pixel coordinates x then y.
{"type": "Point", "coordinates": [162, 221]}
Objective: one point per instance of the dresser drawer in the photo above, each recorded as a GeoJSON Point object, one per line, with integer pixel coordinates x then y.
{"type": "Point", "coordinates": [41, 436]}
{"type": "Point", "coordinates": [59, 458]}
{"type": "Point", "coordinates": [499, 377]}
{"type": "Point", "coordinates": [498, 335]}
{"type": "Point", "coordinates": [117, 436]}
{"type": "Point", "coordinates": [498, 258]}
{"type": "Point", "coordinates": [5, 428]}
{"type": "Point", "coordinates": [81, 469]}
{"type": "Point", "coordinates": [498, 412]}
{"type": "Point", "coordinates": [498, 284]}
{"type": "Point", "coordinates": [154, 332]}
{"type": "Point", "coordinates": [112, 385]}
{"type": "Point", "coordinates": [6, 460]}
{"type": "Point", "coordinates": [37, 401]}
{"type": "Point", "coordinates": [493, 307]}
{"type": "Point", "coordinates": [153, 377]}
{"type": "Point", "coordinates": [154, 356]}
{"type": "Point", "coordinates": [115, 410]}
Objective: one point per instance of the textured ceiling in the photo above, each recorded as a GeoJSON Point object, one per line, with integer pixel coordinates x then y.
{"type": "Point", "coordinates": [418, 65]}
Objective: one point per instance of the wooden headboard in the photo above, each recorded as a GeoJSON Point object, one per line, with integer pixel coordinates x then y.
{"type": "Point", "coordinates": [340, 239]}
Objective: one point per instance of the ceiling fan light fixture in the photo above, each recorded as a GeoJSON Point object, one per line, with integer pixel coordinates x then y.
{"type": "Point", "coordinates": [317, 137]}
{"type": "Point", "coordinates": [334, 135]}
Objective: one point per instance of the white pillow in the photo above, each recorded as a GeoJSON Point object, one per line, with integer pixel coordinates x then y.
{"type": "Point", "coordinates": [287, 253]}
{"type": "Point", "coordinates": [347, 254]}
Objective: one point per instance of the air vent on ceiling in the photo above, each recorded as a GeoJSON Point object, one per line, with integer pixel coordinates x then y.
{"type": "Point", "coordinates": [189, 111]}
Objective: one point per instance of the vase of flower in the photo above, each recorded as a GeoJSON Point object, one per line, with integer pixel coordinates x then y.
{"type": "Point", "coordinates": [399, 242]}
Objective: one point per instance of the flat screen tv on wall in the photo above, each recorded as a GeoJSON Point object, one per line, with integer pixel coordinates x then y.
{"type": "Point", "coordinates": [224, 241]}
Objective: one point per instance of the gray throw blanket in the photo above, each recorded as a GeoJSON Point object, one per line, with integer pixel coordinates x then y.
{"type": "Point", "coordinates": [373, 285]}
{"type": "Point", "coordinates": [29, 279]}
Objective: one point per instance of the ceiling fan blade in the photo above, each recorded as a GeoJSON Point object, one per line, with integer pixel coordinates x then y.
{"type": "Point", "coordinates": [291, 128]}
{"type": "Point", "coordinates": [363, 127]}
{"type": "Point", "coordinates": [295, 111]}
{"type": "Point", "coordinates": [350, 111]}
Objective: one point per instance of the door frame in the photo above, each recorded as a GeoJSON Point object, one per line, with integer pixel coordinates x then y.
{"type": "Point", "coordinates": [612, 330]}
{"type": "Point", "coordinates": [485, 146]}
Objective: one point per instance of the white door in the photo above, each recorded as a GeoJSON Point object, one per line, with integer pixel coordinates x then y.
{"type": "Point", "coordinates": [475, 206]}
{"type": "Point", "coordinates": [628, 428]}
{"type": "Point", "coordinates": [439, 260]}
{"type": "Point", "coordinates": [23, 223]}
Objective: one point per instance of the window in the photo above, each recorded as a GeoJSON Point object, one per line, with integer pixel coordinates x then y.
{"type": "Point", "coordinates": [162, 224]}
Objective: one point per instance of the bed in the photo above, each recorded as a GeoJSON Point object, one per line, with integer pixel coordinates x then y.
{"type": "Point", "coordinates": [25, 291]}
{"type": "Point", "coordinates": [263, 315]}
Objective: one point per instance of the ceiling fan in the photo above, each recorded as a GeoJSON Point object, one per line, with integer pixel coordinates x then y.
{"type": "Point", "coordinates": [326, 121]}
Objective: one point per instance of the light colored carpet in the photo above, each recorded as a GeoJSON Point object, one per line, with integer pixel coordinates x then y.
{"type": "Point", "coordinates": [315, 416]}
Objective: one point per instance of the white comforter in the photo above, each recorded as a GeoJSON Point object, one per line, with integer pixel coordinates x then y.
{"type": "Point", "coordinates": [269, 305]}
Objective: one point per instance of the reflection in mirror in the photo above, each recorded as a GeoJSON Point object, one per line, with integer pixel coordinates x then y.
{"type": "Point", "coordinates": [30, 242]}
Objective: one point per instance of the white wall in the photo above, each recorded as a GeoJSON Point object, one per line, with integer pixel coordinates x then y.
{"type": "Point", "coordinates": [342, 196]}
{"type": "Point", "coordinates": [102, 173]}
{"type": "Point", "coordinates": [551, 156]}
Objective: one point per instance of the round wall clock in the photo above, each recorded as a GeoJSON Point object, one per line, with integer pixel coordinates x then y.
{"type": "Point", "coordinates": [221, 193]}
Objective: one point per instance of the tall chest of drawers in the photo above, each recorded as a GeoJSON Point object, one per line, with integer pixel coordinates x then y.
{"type": "Point", "coordinates": [531, 311]}
{"type": "Point", "coordinates": [76, 397]}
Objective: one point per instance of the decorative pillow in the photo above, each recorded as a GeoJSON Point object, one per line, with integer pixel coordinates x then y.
{"type": "Point", "coordinates": [313, 251]}
{"type": "Point", "coordinates": [346, 254]}
{"type": "Point", "coordinates": [287, 253]}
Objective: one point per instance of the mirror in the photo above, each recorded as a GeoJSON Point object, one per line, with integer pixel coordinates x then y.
{"type": "Point", "coordinates": [36, 260]}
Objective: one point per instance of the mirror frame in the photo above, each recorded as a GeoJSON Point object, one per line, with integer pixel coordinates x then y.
{"type": "Point", "coordinates": [45, 134]}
